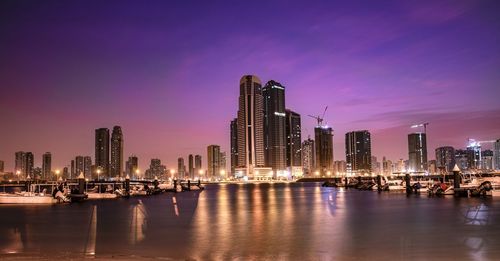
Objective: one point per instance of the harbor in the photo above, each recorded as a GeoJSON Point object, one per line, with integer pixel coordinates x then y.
{"type": "Point", "coordinates": [297, 221]}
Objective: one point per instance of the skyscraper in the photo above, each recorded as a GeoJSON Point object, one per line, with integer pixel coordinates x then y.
{"type": "Point", "coordinates": [445, 159]}
{"type": "Point", "coordinates": [250, 126]}
{"type": "Point", "coordinates": [358, 151]}
{"type": "Point", "coordinates": [191, 166]}
{"type": "Point", "coordinates": [222, 166]}
{"type": "Point", "coordinates": [181, 168]}
{"type": "Point", "coordinates": [156, 170]}
{"type": "Point", "coordinates": [464, 158]}
{"type": "Point", "coordinates": [496, 154]}
{"type": "Point", "coordinates": [2, 166]}
{"type": "Point", "coordinates": [213, 161]}
{"type": "Point", "coordinates": [30, 161]}
{"type": "Point", "coordinates": [116, 166]}
{"type": "Point", "coordinates": [417, 150]}
{"type": "Point", "coordinates": [274, 126]}
{"type": "Point", "coordinates": [293, 141]}
{"type": "Point", "coordinates": [132, 166]}
{"type": "Point", "coordinates": [487, 160]}
{"type": "Point", "coordinates": [79, 167]}
{"type": "Point", "coordinates": [46, 165]}
{"type": "Point", "coordinates": [474, 150]}
{"type": "Point", "coordinates": [102, 151]}
{"type": "Point", "coordinates": [20, 166]}
{"type": "Point", "coordinates": [323, 139]}
{"type": "Point", "coordinates": [234, 145]}
{"type": "Point", "coordinates": [87, 167]}
{"type": "Point", "coordinates": [197, 165]}
{"type": "Point", "coordinates": [308, 157]}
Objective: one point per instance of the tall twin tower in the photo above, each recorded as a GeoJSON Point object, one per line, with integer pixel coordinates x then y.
{"type": "Point", "coordinates": [265, 137]}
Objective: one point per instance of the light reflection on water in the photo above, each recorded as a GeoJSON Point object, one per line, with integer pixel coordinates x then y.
{"type": "Point", "coordinates": [259, 221]}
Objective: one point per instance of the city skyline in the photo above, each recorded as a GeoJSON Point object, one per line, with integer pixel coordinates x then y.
{"type": "Point", "coordinates": [413, 68]}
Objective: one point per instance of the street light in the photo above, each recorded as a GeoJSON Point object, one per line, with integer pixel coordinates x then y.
{"type": "Point", "coordinates": [98, 173]}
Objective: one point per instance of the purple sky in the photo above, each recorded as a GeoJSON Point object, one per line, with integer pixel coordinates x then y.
{"type": "Point", "coordinates": [168, 72]}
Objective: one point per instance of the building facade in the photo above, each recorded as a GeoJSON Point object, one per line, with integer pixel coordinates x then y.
{"type": "Point", "coordinates": [234, 145]}
{"type": "Point", "coordinates": [116, 164]}
{"type": "Point", "coordinates": [358, 151]}
{"type": "Point", "coordinates": [323, 139]}
{"type": "Point", "coordinates": [132, 167]}
{"type": "Point", "coordinates": [308, 157]}
{"type": "Point", "coordinates": [293, 142]}
{"type": "Point", "coordinates": [250, 125]}
{"type": "Point", "coordinates": [445, 159]}
{"type": "Point", "coordinates": [417, 152]}
{"type": "Point", "coordinates": [496, 154]}
{"type": "Point", "coordinates": [274, 126]}
{"type": "Point", "coordinates": [213, 161]}
{"type": "Point", "coordinates": [46, 166]}
{"type": "Point", "coordinates": [102, 151]}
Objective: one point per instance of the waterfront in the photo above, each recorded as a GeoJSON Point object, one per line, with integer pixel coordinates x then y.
{"type": "Point", "coordinates": [282, 221]}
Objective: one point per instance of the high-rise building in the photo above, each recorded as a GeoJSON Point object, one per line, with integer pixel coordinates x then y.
{"type": "Point", "coordinates": [445, 159]}
{"type": "Point", "coordinates": [474, 152]}
{"type": "Point", "coordinates": [79, 167]}
{"type": "Point", "coordinates": [73, 169]}
{"type": "Point", "coordinates": [417, 151]}
{"type": "Point", "coordinates": [87, 167]}
{"type": "Point", "coordinates": [250, 127]}
{"type": "Point", "coordinates": [102, 151]}
{"type": "Point", "coordinates": [487, 160]}
{"type": "Point", "coordinates": [308, 157]}
{"type": "Point", "coordinates": [432, 167]}
{"type": "Point", "coordinates": [358, 151]}
{"type": "Point", "coordinates": [46, 165]}
{"type": "Point", "coordinates": [132, 166]}
{"type": "Point", "coordinates": [30, 162]}
{"type": "Point", "coordinates": [464, 159]}
{"type": "Point", "coordinates": [197, 165]}
{"type": "Point", "coordinates": [496, 154]}
{"type": "Point", "coordinates": [181, 168]}
{"type": "Point", "coordinates": [2, 166]}
{"type": "Point", "coordinates": [213, 161]}
{"type": "Point", "coordinates": [340, 167]}
{"type": "Point", "coordinates": [323, 139]}
{"type": "Point", "coordinates": [191, 166]}
{"type": "Point", "coordinates": [375, 165]}
{"type": "Point", "coordinates": [156, 170]}
{"type": "Point", "coordinates": [274, 126]}
{"type": "Point", "coordinates": [223, 166]}
{"type": "Point", "coordinates": [20, 166]}
{"type": "Point", "coordinates": [387, 167]}
{"type": "Point", "coordinates": [116, 166]}
{"type": "Point", "coordinates": [293, 140]}
{"type": "Point", "coordinates": [234, 145]}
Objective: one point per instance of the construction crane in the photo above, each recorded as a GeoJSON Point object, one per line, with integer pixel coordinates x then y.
{"type": "Point", "coordinates": [421, 125]}
{"type": "Point", "coordinates": [318, 118]}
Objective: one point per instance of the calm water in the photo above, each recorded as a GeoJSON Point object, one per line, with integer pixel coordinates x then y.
{"type": "Point", "coordinates": [298, 221]}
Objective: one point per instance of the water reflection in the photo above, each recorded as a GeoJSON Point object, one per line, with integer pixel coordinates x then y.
{"type": "Point", "coordinates": [259, 221]}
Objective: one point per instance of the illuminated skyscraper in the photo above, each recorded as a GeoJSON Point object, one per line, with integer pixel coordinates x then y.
{"type": "Point", "coordinates": [197, 165]}
{"type": "Point", "coordinates": [2, 166]}
{"type": "Point", "coordinates": [323, 138]}
{"type": "Point", "coordinates": [308, 157]}
{"type": "Point", "coordinates": [274, 126]}
{"type": "Point", "coordinates": [293, 140]}
{"type": "Point", "coordinates": [87, 167]}
{"type": "Point", "coordinates": [132, 166]}
{"type": "Point", "coordinates": [250, 126]}
{"type": "Point", "coordinates": [20, 166]}
{"type": "Point", "coordinates": [496, 154]}
{"type": "Point", "coordinates": [234, 145]}
{"type": "Point", "coordinates": [102, 151]}
{"type": "Point", "coordinates": [46, 165]}
{"type": "Point", "coordinates": [191, 166]}
{"type": "Point", "coordinates": [417, 150]}
{"type": "Point", "coordinates": [116, 166]}
{"type": "Point", "coordinates": [79, 166]}
{"type": "Point", "coordinates": [445, 159]}
{"type": "Point", "coordinates": [358, 151]}
{"type": "Point", "coordinates": [213, 161]}
{"type": "Point", "coordinates": [181, 168]}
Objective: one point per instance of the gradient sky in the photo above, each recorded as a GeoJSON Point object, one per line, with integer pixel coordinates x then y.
{"type": "Point", "coordinates": [168, 72]}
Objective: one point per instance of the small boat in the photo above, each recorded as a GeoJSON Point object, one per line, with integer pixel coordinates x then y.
{"type": "Point", "coordinates": [31, 198]}
{"type": "Point", "coordinates": [94, 195]}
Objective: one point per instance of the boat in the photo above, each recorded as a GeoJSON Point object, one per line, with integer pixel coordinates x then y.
{"type": "Point", "coordinates": [31, 198]}
{"type": "Point", "coordinates": [94, 195]}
